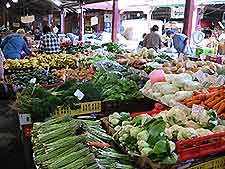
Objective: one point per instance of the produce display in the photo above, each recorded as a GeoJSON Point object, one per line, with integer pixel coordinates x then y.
{"type": "Point", "coordinates": [187, 66]}
{"type": "Point", "coordinates": [74, 74]}
{"type": "Point", "coordinates": [24, 78]}
{"type": "Point", "coordinates": [68, 143]}
{"type": "Point", "coordinates": [212, 98]}
{"type": "Point", "coordinates": [189, 97]}
{"type": "Point", "coordinates": [43, 61]}
{"type": "Point", "coordinates": [156, 136]}
{"type": "Point", "coordinates": [175, 88]}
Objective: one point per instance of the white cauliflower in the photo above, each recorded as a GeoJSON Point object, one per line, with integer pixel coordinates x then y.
{"type": "Point", "coordinates": [203, 132]}
{"type": "Point", "coordinates": [187, 133]}
{"type": "Point", "coordinates": [219, 129]}
{"type": "Point", "coordinates": [173, 131]}
{"type": "Point", "coordinates": [176, 116]}
{"type": "Point", "coordinates": [192, 124]}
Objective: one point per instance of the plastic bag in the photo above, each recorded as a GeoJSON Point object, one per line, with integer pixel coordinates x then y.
{"type": "Point", "coordinates": [157, 76]}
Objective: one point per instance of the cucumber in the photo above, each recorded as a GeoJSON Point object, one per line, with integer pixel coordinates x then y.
{"type": "Point", "coordinates": [69, 159]}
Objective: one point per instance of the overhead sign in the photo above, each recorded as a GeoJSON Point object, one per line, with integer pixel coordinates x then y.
{"type": "Point", "coordinates": [177, 12]}
{"type": "Point", "coordinates": [27, 19]}
{"type": "Point", "coordinates": [107, 17]}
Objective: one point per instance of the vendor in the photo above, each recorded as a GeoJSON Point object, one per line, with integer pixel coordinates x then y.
{"type": "Point", "coordinates": [2, 59]}
{"type": "Point", "coordinates": [153, 39]}
{"type": "Point", "coordinates": [49, 43]}
{"type": "Point", "coordinates": [13, 45]}
{"type": "Point", "coordinates": [180, 42]}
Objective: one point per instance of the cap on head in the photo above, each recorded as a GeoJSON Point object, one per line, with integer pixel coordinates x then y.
{"type": "Point", "coordinates": [21, 31]}
{"type": "Point", "coordinates": [170, 32]}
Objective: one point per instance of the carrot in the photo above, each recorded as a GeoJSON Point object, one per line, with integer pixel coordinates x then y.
{"type": "Point", "coordinates": [211, 94]}
{"type": "Point", "coordinates": [99, 145]}
{"type": "Point", "coordinates": [221, 108]}
{"type": "Point", "coordinates": [203, 105]}
{"type": "Point", "coordinates": [216, 106]}
{"type": "Point", "coordinates": [214, 102]}
{"type": "Point", "coordinates": [222, 116]}
{"type": "Point", "coordinates": [211, 99]}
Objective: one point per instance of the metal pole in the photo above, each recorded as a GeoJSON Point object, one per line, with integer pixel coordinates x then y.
{"type": "Point", "coordinates": [62, 21]}
{"type": "Point", "coordinates": [81, 37]}
{"type": "Point", "coordinates": [115, 24]}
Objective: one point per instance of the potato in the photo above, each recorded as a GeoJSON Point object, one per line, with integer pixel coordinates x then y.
{"type": "Point", "coordinates": [181, 70]}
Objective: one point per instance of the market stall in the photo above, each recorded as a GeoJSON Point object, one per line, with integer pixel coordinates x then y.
{"type": "Point", "coordinates": [104, 107]}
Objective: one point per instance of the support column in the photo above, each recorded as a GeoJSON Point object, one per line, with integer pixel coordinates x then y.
{"type": "Point", "coordinates": [115, 21]}
{"type": "Point", "coordinates": [190, 7]}
{"type": "Point", "coordinates": [149, 17]}
{"type": "Point", "coordinates": [62, 21]}
{"type": "Point", "coordinates": [81, 25]}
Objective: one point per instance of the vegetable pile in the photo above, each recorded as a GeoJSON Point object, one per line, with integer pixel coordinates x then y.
{"type": "Point", "coordinates": [212, 98]}
{"type": "Point", "coordinates": [67, 143]}
{"type": "Point", "coordinates": [175, 89]}
{"type": "Point", "coordinates": [23, 78]}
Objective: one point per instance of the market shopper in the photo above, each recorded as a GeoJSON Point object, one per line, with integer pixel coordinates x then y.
{"type": "Point", "coordinates": [180, 42]}
{"type": "Point", "coordinates": [49, 42]}
{"type": "Point", "coordinates": [141, 43]}
{"type": "Point", "coordinates": [14, 44]}
{"type": "Point", "coordinates": [153, 39]}
{"type": "Point", "coordinates": [37, 34]}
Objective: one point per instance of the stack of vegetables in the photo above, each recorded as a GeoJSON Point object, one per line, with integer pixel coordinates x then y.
{"type": "Point", "coordinates": [23, 78]}
{"type": "Point", "coordinates": [212, 98]}
{"type": "Point", "coordinates": [67, 143]}
{"type": "Point", "coordinates": [187, 66]}
{"type": "Point", "coordinates": [74, 74]}
{"type": "Point", "coordinates": [155, 136]}
{"type": "Point", "coordinates": [176, 88]}
{"type": "Point", "coordinates": [43, 61]}
{"type": "Point", "coordinates": [40, 103]}
{"type": "Point", "coordinates": [144, 136]}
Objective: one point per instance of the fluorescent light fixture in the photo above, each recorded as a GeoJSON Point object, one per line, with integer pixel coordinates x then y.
{"type": "Point", "coordinates": [57, 2]}
{"type": "Point", "coordinates": [8, 5]}
{"type": "Point", "coordinates": [15, 1]}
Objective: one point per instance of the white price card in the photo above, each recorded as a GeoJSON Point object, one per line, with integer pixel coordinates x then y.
{"type": "Point", "coordinates": [33, 80]}
{"type": "Point", "coordinates": [200, 76]}
{"type": "Point", "coordinates": [25, 119]}
{"type": "Point", "coordinates": [197, 109]}
{"type": "Point", "coordinates": [79, 94]}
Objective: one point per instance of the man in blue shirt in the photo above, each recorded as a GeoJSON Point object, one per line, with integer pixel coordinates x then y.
{"type": "Point", "coordinates": [180, 42]}
{"type": "Point", "coordinates": [13, 45]}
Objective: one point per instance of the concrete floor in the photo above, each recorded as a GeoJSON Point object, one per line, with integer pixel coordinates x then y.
{"type": "Point", "coordinates": [11, 148]}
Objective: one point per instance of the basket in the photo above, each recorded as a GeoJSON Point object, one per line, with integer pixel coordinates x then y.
{"type": "Point", "coordinates": [218, 163]}
{"type": "Point", "coordinates": [200, 147]}
{"type": "Point", "coordinates": [82, 108]}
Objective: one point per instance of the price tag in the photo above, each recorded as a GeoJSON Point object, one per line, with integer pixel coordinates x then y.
{"type": "Point", "coordinates": [78, 63]}
{"type": "Point", "coordinates": [47, 71]}
{"type": "Point", "coordinates": [64, 77]}
{"type": "Point", "coordinates": [79, 94]}
{"type": "Point", "coordinates": [25, 119]}
{"type": "Point", "coordinates": [197, 109]}
{"type": "Point", "coordinates": [200, 76]}
{"type": "Point", "coordinates": [220, 80]}
{"type": "Point", "coordinates": [33, 80]}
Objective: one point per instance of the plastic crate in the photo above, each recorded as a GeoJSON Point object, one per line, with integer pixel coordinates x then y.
{"type": "Point", "coordinates": [218, 163]}
{"type": "Point", "coordinates": [82, 108]}
{"type": "Point", "coordinates": [200, 147]}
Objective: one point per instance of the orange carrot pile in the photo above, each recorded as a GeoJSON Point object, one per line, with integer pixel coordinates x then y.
{"type": "Point", "coordinates": [212, 98]}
